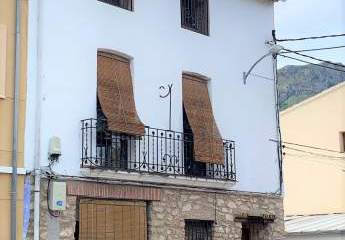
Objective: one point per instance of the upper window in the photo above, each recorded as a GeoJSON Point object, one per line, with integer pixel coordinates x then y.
{"type": "Point", "coordinates": [194, 15]}
{"type": "Point", "coordinates": [125, 4]}
{"type": "Point", "coordinates": [198, 230]}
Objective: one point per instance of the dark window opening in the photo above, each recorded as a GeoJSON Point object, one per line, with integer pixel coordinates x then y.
{"type": "Point", "coordinates": [194, 15]}
{"type": "Point", "coordinates": [112, 148]}
{"type": "Point", "coordinates": [245, 232]}
{"type": "Point", "coordinates": [198, 230]}
{"type": "Point", "coordinates": [76, 231]}
{"type": "Point", "coordinates": [253, 230]}
{"type": "Point", "coordinates": [192, 167]}
{"type": "Point", "coordinates": [76, 228]}
{"type": "Point", "coordinates": [125, 4]}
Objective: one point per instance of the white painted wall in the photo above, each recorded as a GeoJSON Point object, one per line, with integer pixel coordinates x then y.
{"type": "Point", "coordinates": [71, 31]}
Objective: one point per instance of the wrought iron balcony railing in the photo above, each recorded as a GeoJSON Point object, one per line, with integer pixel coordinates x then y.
{"type": "Point", "coordinates": [158, 151]}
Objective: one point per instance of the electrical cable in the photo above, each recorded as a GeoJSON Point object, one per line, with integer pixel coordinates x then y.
{"type": "Point", "coordinates": [315, 64]}
{"type": "Point", "coordinates": [318, 161]}
{"type": "Point", "coordinates": [314, 58]}
{"type": "Point", "coordinates": [335, 158]}
{"type": "Point", "coordinates": [310, 38]}
{"type": "Point", "coordinates": [50, 175]}
{"type": "Point", "coordinates": [316, 49]}
{"type": "Point", "coordinates": [316, 154]}
{"type": "Point", "coordinates": [313, 160]}
{"type": "Point", "coordinates": [277, 117]}
{"type": "Point", "coordinates": [319, 158]}
{"type": "Point", "coordinates": [308, 146]}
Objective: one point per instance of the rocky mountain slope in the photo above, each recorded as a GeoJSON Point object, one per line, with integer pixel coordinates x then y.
{"type": "Point", "coordinates": [297, 83]}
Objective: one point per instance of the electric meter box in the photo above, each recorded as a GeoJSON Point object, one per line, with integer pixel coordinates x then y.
{"type": "Point", "coordinates": [57, 196]}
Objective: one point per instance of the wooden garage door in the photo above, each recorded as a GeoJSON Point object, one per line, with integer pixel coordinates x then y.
{"type": "Point", "coordinates": [112, 220]}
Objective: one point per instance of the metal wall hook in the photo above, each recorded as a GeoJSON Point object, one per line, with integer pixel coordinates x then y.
{"type": "Point", "coordinates": [168, 88]}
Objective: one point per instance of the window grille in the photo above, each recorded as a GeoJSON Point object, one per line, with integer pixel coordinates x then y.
{"type": "Point", "coordinates": [194, 15]}
{"type": "Point", "coordinates": [125, 4]}
{"type": "Point", "coordinates": [198, 230]}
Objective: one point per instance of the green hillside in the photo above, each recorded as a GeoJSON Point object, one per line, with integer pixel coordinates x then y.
{"type": "Point", "coordinates": [297, 83]}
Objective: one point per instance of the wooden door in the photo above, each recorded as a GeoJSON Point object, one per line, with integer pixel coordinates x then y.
{"type": "Point", "coordinates": [112, 220]}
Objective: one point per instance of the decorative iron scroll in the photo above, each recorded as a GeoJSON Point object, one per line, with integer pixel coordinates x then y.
{"type": "Point", "coordinates": [168, 94]}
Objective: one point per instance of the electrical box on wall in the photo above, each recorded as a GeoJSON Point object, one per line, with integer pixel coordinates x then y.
{"type": "Point", "coordinates": [57, 196]}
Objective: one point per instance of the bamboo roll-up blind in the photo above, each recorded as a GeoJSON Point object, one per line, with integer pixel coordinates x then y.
{"type": "Point", "coordinates": [208, 144]}
{"type": "Point", "coordinates": [115, 94]}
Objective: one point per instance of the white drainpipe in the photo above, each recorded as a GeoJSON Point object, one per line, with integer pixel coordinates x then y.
{"type": "Point", "coordinates": [35, 10]}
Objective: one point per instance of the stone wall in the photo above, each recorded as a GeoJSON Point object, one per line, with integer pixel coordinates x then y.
{"type": "Point", "coordinates": [168, 215]}
{"type": "Point", "coordinates": [166, 218]}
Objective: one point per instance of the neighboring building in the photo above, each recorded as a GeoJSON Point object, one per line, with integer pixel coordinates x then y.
{"type": "Point", "coordinates": [316, 227]}
{"type": "Point", "coordinates": [94, 93]}
{"type": "Point", "coordinates": [315, 179]}
{"type": "Point", "coordinates": [7, 76]}
{"type": "Point", "coordinates": [313, 132]}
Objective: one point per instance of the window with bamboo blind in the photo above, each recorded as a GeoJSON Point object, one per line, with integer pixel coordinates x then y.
{"type": "Point", "coordinates": [115, 94]}
{"type": "Point", "coordinates": [112, 220]}
{"type": "Point", "coordinates": [3, 40]}
{"type": "Point", "coordinates": [208, 144]}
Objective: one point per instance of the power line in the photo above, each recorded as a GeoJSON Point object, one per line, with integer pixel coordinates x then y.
{"type": "Point", "coordinates": [316, 160]}
{"type": "Point", "coordinates": [315, 64]}
{"type": "Point", "coordinates": [310, 38]}
{"type": "Point", "coordinates": [314, 58]}
{"type": "Point", "coordinates": [304, 158]}
{"type": "Point", "coordinates": [307, 146]}
{"type": "Point", "coordinates": [316, 154]}
{"type": "Point", "coordinates": [316, 49]}
{"type": "Point", "coordinates": [320, 156]}
{"type": "Point", "coordinates": [322, 160]}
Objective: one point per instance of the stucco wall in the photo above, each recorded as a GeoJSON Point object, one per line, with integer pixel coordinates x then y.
{"type": "Point", "coordinates": [315, 184]}
{"type": "Point", "coordinates": [7, 19]}
{"type": "Point", "coordinates": [70, 32]}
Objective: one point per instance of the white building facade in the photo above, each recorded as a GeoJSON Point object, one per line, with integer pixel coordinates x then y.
{"type": "Point", "coordinates": [115, 59]}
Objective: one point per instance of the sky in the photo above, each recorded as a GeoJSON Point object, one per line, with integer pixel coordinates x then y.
{"type": "Point", "coordinates": [305, 18]}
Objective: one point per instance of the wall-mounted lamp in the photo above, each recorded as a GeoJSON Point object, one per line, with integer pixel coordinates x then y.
{"type": "Point", "coordinates": [274, 50]}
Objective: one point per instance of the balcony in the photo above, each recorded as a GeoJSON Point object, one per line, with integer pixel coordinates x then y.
{"type": "Point", "coordinates": [159, 151]}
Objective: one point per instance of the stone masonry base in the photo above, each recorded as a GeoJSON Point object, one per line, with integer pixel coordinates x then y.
{"type": "Point", "coordinates": [168, 215]}
{"type": "Point", "coordinates": [166, 218]}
